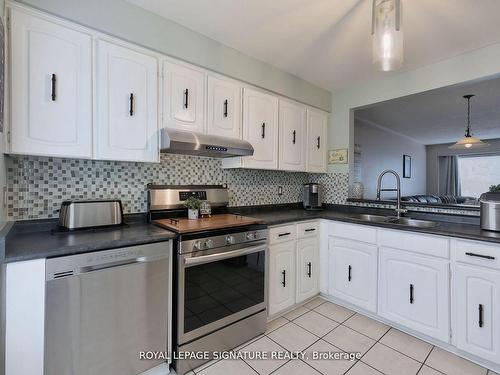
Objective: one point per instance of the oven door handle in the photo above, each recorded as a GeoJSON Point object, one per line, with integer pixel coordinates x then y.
{"type": "Point", "coordinates": [192, 261]}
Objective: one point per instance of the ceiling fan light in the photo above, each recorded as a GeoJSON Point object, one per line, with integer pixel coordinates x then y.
{"type": "Point", "coordinates": [387, 35]}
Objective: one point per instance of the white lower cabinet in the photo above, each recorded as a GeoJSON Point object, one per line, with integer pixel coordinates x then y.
{"type": "Point", "coordinates": [281, 276]}
{"type": "Point", "coordinates": [293, 265]}
{"type": "Point", "coordinates": [353, 272]}
{"type": "Point", "coordinates": [307, 268]}
{"type": "Point", "coordinates": [476, 299]}
{"type": "Point", "coordinates": [414, 291]}
{"type": "Point", "coordinates": [444, 288]}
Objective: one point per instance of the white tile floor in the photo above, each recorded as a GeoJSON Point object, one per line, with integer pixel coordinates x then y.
{"type": "Point", "coordinates": [321, 326]}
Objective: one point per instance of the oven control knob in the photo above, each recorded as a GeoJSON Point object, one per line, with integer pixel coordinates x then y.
{"type": "Point", "coordinates": [250, 236]}
{"type": "Point", "coordinates": [197, 245]}
{"type": "Point", "coordinates": [230, 240]}
{"type": "Point", "coordinates": [209, 244]}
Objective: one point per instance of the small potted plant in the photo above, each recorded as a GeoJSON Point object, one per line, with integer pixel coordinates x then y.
{"type": "Point", "coordinates": [495, 188]}
{"type": "Point", "coordinates": [193, 205]}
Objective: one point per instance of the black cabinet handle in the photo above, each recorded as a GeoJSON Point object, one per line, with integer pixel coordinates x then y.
{"type": "Point", "coordinates": [309, 268]}
{"type": "Point", "coordinates": [349, 276]}
{"type": "Point", "coordinates": [319, 140]}
{"type": "Point", "coordinates": [225, 108]}
{"type": "Point", "coordinates": [131, 109]}
{"type": "Point", "coordinates": [263, 130]}
{"type": "Point", "coordinates": [294, 136]}
{"type": "Point", "coordinates": [481, 312]}
{"type": "Point", "coordinates": [53, 89]}
{"type": "Point", "coordinates": [284, 234]}
{"type": "Point", "coordinates": [411, 293]}
{"type": "Point", "coordinates": [480, 256]}
{"type": "Point", "coordinates": [186, 98]}
{"type": "Point", "coordinates": [310, 230]}
{"type": "Point", "coordinates": [284, 278]}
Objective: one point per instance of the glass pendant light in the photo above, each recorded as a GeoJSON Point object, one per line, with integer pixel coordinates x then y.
{"type": "Point", "coordinates": [387, 35]}
{"type": "Point", "coordinates": [468, 141]}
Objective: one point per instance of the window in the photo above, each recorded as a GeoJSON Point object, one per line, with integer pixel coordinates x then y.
{"type": "Point", "coordinates": [478, 173]}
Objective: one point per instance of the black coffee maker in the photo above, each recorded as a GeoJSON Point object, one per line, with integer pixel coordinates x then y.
{"type": "Point", "coordinates": [312, 196]}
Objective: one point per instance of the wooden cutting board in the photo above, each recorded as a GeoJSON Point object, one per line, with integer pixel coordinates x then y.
{"type": "Point", "coordinates": [184, 225]}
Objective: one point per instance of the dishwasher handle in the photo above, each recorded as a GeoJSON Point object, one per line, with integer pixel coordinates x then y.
{"type": "Point", "coordinates": [87, 269]}
{"type": "Point", "coordinates": [74, 265]}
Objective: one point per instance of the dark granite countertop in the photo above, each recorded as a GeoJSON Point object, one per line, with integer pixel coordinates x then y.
{"type": "Point", "coordinates": [449, 225]}
{"type": "Point", "coordinates": [37, 239]}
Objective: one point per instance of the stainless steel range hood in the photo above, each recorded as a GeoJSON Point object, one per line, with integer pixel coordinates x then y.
{"type": "Point", "coordinates": [181, 142]}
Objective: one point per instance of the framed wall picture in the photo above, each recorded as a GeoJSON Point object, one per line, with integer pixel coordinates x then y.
{"type": "Point", "coordinates": [338, 156]}
{"type": "Point", "coordinates": [406, 166]}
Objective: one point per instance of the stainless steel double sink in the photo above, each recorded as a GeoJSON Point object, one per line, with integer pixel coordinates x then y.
{"type": "Point", "coordinates": [404, 221]}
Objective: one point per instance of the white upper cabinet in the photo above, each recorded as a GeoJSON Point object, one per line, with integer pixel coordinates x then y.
{"type": "Point", "coordinates": [292, 136]}
{"type": "Point", "coordinates": [77, 93]}
{"type": "Point", "coordinates": [317, 123]}
{"type": "Point", "coordinates": [260, 128]}
{"type": "Point", "coordinates": [51, 88]}
{"type": "Point", "coordinates": [127, 104]}
{"type": "Point", "coordinates": [224, 107]}
{"type": "Point", "coordinates": [184, 97]}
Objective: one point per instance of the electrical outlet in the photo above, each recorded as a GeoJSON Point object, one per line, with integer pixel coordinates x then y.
{"type": "Point", "coordinates": [280, 190]}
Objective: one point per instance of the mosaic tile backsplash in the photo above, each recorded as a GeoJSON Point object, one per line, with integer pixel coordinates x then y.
{"type": "Point", "coordinates": [36, 186]}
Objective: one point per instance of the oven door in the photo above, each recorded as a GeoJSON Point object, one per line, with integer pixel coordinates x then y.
{"type": "Point", "coordinates": [217, 288]}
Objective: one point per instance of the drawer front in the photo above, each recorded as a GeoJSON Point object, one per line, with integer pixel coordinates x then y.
{"type": "Point", "coordinates": [357, 232]}
{"type": "Point", "coordinates": [309, 229]}
{"type": "Point", "coordinates": [418, 243]}
{"type": "Point", "coordinates": [282, 233]}
{"type": "Point", "coordinates": [477, 253]}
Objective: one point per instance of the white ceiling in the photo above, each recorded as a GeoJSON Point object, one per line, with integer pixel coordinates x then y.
{"type": "Point", "coordinates": [440, 116]}
{"type": "Point", "coordinates": [328, 42]}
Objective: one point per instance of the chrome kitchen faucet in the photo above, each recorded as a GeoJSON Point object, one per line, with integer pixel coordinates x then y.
{"type": "Point", "coordinates": [399, 210]}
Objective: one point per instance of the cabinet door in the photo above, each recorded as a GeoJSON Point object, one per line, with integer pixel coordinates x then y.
{"type": "Point", "coordinates": [353, 272]}
{"type": "Point", "coordinates": [477, 295]}
{"type": "Point", "coordinates": [127, 104]}
{"type": "Point", "coordinates": [224, 108]}
{"type": "Point", "coordinates": [307, 268]}
{"type": "Point", "coordinates": [414, 291]}
{"type": "Point", "coordinates": [184, 97]}
{"type": "Point", "coordinates": [260, 128]}
{"type": "Point", "coordinates": [51, 88]}
{"type": "Point", "coordinates": [292, 136]}
{"type": "Point", "coordinates": [317, 124]}
{"type": "Point", "coordinates": [281, 276]}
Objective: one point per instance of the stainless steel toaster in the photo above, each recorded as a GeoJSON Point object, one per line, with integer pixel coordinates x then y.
{"type": "Point", "coordinates": [490, 211]}
{"type": "Point", "coordinates": [90, 214]}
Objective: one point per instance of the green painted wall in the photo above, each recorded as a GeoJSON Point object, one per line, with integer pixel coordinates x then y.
{"type": "Point", "coordinates": [129, 22]}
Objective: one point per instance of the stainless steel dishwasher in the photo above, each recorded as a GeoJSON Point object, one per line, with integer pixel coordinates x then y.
{"type": "Point", "coordinates": [104, 308]}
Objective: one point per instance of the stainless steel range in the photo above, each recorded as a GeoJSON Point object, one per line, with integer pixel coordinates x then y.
{"type": "Point", "coordinates": [219, 273]}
